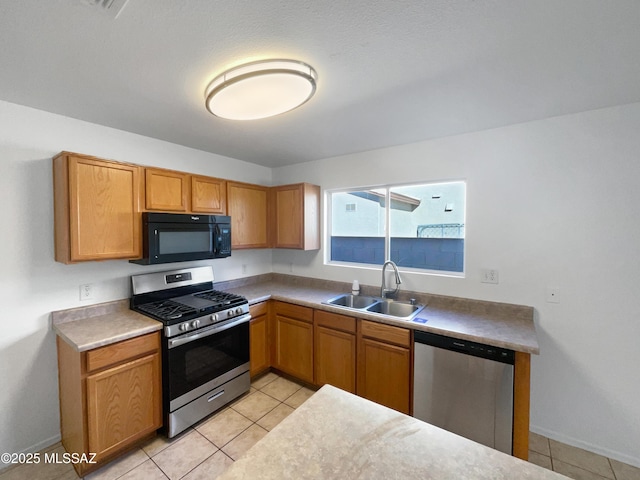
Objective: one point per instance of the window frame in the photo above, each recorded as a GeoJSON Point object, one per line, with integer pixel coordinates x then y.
{"type": "Point", "coordinates": [387, 237]}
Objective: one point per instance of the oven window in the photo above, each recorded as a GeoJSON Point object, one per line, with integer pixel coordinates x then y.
{"type": "Point", "coordinates": [171, 242]}
{"type": "Point", "coordinates": [196, 363]}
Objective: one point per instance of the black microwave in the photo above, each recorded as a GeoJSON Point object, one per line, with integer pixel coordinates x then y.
{"type": "Point", "coordinates": [175, 237]}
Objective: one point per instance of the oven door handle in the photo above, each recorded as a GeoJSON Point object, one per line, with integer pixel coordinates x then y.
{"type": "Point", "coordinates": [211, 331]}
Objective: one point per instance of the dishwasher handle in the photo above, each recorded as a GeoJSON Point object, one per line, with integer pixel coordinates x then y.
{"type": "Point", "coordinates": [489, 352]}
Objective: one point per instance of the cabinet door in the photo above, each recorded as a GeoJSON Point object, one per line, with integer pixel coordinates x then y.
{"type": "Point", "coordinates": [166, 190]}
{"type": "Point", "coordinates": [384, 374]}
{"type": "Point", "coordinates": [123, 404]}
{"type": "Point", "coordinates": [335, 358]}
{"type": "Point", "coordinates": [248, 207]}
{"type": "Point", "coordinates": [259, 339]}
{"type": "Point", "coordinates": [208, 195]}
{"type": "Point", "coordinates": [97, 215]}
{"type": "Point", "coordinates": [294, 347]}
{"type": "Point", "coordinates": [297, 216]}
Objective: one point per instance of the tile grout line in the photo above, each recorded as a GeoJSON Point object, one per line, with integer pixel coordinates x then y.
{"type": "Point", "coordinates": [158, 467]}
{"type": "Point", "coordinates": [192, 430]}
{"type": "Point", "coordinates": [615, 477]}
{"type": "Point", "coordinates": [280, 402]}
{"type": "Point", "coordinates": [132, 468]}
{"type": "Point", "coordinates": [583, 468]}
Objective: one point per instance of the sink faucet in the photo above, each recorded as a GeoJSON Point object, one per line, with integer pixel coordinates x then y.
{"type": "Point", "coordinates": [384, 291]}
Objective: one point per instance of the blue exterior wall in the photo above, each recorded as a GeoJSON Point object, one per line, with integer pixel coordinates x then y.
{"type": "Point", "coordinates": [445, 254]}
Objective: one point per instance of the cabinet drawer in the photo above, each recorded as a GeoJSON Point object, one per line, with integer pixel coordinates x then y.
{"type": "Point", "coordinates": [258, 309]}
{"type": "Point", "coordinates": [335, 321]}
{"type": "Point", "coordinates": [122, 351]}
{"type": "Point", "coordinates": [386, 333]}
{"type": "Point", "coordinates": [294, 311]}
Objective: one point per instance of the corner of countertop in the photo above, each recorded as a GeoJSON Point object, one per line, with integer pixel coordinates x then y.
{"type": "Point", "coordinates": [84, 312]}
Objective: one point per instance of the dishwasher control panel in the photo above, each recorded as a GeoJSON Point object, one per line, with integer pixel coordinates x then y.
{"type": "Point", "coordinates": [467, 347]}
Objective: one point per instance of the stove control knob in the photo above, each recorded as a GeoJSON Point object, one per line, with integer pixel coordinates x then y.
{"type": "Point", "coordinates": [214, 317]}
{"type": "Point", "coordinates": [230, 313]}
{"type": "Point", "coordinates": [238, 311]}
{"type": "Point", "coordinates": [195, 323]}
{"type": "Point", "coordinates": [183, 327]}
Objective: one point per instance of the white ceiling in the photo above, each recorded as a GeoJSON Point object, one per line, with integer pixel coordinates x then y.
{"type": "Point", "coordinates": [390, 72]}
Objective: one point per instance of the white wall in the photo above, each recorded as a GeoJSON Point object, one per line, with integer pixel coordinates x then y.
{"type": "Point", "coordinates": [32, 284]}
{"type": "Point", "coordinates": [549, 203]}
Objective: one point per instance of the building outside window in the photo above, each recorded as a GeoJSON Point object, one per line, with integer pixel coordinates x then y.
{"type": "Point", "coordinates": [419, 226]}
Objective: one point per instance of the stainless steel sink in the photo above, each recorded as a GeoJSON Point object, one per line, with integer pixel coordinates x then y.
{"type": "Point", "coordinates": [357, 302]}
{"type": "Point", "coordinates": [376, 305]}
{"type": "Point", "coordinates": [395, 308]}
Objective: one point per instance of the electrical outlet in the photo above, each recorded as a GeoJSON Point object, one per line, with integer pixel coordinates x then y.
{"type": "Point", "coordinates": [489, 275]}
{"type": "Point", "coordinates": [86, 291]}
{"type": "Point", "coordinates": [553, 295]}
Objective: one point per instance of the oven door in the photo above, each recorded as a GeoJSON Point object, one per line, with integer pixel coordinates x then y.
{"type": "Point", "coordinates": [197, 362]}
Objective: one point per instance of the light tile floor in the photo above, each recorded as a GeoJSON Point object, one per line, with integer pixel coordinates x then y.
{"type": "Point", "coordinates": [577, 463]}
{"type": "Point", "coordinates": [207, 449]}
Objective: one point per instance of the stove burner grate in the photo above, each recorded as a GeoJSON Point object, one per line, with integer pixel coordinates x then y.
{"type": "Point", "coordinates": [221, 299]}
{"type": "Point", "coordinates": [166, 309]}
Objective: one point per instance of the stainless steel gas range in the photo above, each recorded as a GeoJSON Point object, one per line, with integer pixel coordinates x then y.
{"type": "Point", "coordinates": [205, 348]}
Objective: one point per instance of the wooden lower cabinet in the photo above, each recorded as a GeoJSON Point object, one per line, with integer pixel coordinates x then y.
{"type": "Point", "coordinates": [110, 397]}
{"type": "Point", "coordinates": [293, 340]}
{"type": "Point", "coordinates": [521, 400]}
{"type": "Point", "coordinates": [384, 365]}
{"type": "Point", "coordinates": [335, 350]}
{"type": "Point", "coordinates": [370, 359]}
{"type": "Point", "coordinates": [259, 348]}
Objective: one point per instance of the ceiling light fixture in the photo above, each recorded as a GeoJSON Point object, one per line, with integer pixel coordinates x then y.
{"type": "Point", "coordinates": [260, 89]}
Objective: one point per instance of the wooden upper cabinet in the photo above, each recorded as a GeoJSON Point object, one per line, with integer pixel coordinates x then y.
{"type": "Point", "coordinates": [247, 204]}
{"type": "Point", "coordinates": [96, 209]}
{"type": "Point", "coordinates": [296, 218]}
{"type": "Point", "coordinates": [166, 190]}
{"type": "Point", "coordinates": [172, 191]}
{"type": "Point", "coordinates": [208, 195]}
{"type": "Point", "coordinates": [98, 205]}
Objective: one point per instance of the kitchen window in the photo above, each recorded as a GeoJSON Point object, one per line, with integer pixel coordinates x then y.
{"type": "Point", "coordinates": [418, 226]}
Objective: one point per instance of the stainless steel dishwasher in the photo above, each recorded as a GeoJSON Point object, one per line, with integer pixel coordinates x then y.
{"type": "Point", "coordinates": [465, 388]}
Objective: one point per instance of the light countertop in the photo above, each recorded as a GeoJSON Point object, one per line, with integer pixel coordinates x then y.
{"type": "Point", "coordinates": [497, 324]}
{"type": "Point", "coordinates": [335, 434]}
{"type": "Point", "coordinates": [86, 328]}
